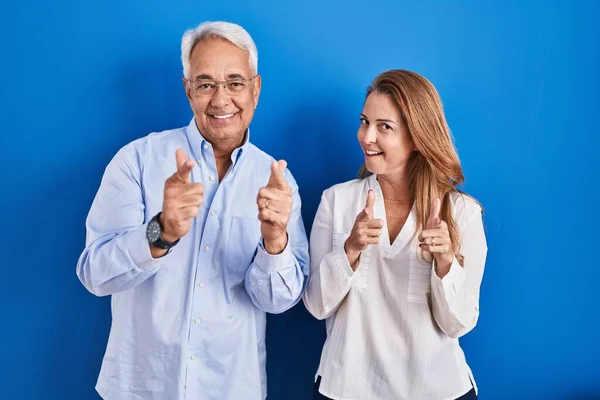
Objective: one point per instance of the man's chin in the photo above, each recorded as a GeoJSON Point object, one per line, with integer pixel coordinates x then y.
{"type": "Point", "coordinates": [234, 137]}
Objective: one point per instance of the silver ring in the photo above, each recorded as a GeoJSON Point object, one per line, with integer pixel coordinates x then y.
{"type": "Point", "coordinates": [433, 241]}
{"type": "Point", "coordinates": [267, 204]}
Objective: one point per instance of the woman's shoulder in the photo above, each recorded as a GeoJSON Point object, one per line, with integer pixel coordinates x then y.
{"type": "Point", "coordinates": [345, 189]}
{"type": "Point", "coordinates": [464, 207]}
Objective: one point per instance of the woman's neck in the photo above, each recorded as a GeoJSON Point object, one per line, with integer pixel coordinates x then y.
{"type": "Point", "coordinates": [395, 189]}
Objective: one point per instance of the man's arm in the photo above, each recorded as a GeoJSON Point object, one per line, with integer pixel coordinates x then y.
{"type": "Point", "coordinates": [278, 275]}
{"type": "Point", "coordinates": [117, 255]}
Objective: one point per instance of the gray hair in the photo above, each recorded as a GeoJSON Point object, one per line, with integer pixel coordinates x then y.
{"type": "Point", "coordinates": [217, 29]}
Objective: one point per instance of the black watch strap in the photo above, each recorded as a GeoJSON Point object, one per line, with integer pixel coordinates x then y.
{"type": "Point", "coordinates": [154, 234]}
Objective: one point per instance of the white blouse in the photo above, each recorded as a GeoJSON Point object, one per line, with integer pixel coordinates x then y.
{"type": "Point", "coordinates": [393, 325]}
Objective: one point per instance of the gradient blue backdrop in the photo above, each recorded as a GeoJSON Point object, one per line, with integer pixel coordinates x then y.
{"type": "Point", "coordinates": [519, 80]}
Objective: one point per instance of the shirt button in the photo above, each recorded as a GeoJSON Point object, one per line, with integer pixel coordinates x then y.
{"type": "Point", "coordinates": [206, 248]}
{"type": "Point", "coordinates": [197, 321]}
{"type": "Point", "coordinates": [201, 284]}
{"type": "Point", "coordinates": [199, 161]}
{"type": "Point", "coordinates": [211, 178]}
{"type": "Point", "coordinates": [205, 146]}
{"type": "Point", "coordinates": [212, 213]}
{"type": "Point", "coordinates": [193, 358]}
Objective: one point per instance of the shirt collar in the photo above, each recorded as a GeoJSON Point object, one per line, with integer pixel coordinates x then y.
{"type": "Point", "coordinates": [198, 143]}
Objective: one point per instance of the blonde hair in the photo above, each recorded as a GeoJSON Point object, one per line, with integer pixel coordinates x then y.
{"type": "Point", "coordinates": [434, 170]}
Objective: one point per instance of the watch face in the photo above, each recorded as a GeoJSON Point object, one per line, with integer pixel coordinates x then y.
{"type": "Point", "coordinates": [153, 231]}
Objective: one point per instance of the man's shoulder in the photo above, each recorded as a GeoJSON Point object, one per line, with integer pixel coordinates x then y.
{"type": "Point", "coordinates": [260, 164]}
{"type": "Point", "coordinates": [148, 149]}
{"type": "Point", "coordinates": [158, 144]}
{"type": "Point", "coordinates": [258, 155]}
{"type": "Point", "coordinates": [159, 141]}
{"type": "Point", "coordinates": [260, 161]}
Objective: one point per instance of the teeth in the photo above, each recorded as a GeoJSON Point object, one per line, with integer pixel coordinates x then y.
{"type": "Point", "coordinates": [373, 153]}
{"type": "Point", "coordinates": [223, 116]}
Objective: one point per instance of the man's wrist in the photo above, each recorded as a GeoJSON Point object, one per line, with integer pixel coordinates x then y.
{"type": "Point", "coordinates": [156, 252]}
{"type": "Point", "coordinates": [276, 246]}
{"type": "Point", "coordinates": [168, 238]}
{"type": "Point", "coordinates": [165, 235]}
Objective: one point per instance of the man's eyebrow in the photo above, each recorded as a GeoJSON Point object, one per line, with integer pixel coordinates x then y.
{"type": "Point", "coordinates": [204, 76]}
{"type": "Point", "coordinates": [210, 78]}
{"type": "Point", "coordinates": [235, 76]}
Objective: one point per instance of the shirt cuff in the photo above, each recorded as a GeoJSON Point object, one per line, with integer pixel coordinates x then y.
{"type": "Point", "coordinates": [353, 272]}
{"type": "Point", "coordinates": [139, 250]}
{"type": "Point", "coordinates": [344, 264]}
{"type": "Point", "coordinates": [273, 262]}
{"type": "Point", "coordinates": [452, 282]}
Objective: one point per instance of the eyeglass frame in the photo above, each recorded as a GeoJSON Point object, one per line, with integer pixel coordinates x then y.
{"type": "Point", "coordinates": [218, 84]}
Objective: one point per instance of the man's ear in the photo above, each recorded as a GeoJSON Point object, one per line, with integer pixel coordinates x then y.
{"type": "Point", "coordinates": [186, 87]}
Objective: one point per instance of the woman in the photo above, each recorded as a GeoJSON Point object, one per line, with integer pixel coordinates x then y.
{"type": "Point", "coordinates": [397, 257]}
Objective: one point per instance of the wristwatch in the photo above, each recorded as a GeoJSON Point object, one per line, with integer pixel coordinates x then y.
{"type": "Point", "coordinates": [153, 234]}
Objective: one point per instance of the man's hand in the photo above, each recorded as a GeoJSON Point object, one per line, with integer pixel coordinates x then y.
{"type": "Point", "coordinates": [274, 209]}
{"type": "Point", "coordinates": [182, 199]}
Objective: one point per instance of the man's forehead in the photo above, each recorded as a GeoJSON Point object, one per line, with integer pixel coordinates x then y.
{"type": "Point", "coordinates": [204, 71]}
{"type": "Point", "coordinates": [219, 54]}
{"type": "Point", "coordinates": [233, 75]}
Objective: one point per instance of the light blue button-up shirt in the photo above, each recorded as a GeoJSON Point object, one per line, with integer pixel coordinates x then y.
{"type": "Point", "coordinates": [189, 325]}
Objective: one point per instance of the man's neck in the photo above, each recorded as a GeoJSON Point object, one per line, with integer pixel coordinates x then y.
{"type": "Point", "coordinates": [222, 151]}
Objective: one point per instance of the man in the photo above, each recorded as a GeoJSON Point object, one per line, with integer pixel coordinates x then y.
{"type": "Point", "coordinates": [195, 251]}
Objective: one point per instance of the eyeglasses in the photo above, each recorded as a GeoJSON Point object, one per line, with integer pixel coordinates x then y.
{"type": "Point", "coordinates": [205, 87]}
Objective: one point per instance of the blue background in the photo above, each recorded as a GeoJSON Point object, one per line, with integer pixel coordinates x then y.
{"type": "Point", "coordinates": [519, 81]}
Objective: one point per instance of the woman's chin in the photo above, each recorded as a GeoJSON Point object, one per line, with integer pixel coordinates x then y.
{"type": "Point", "coordinates": [372, 167]}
